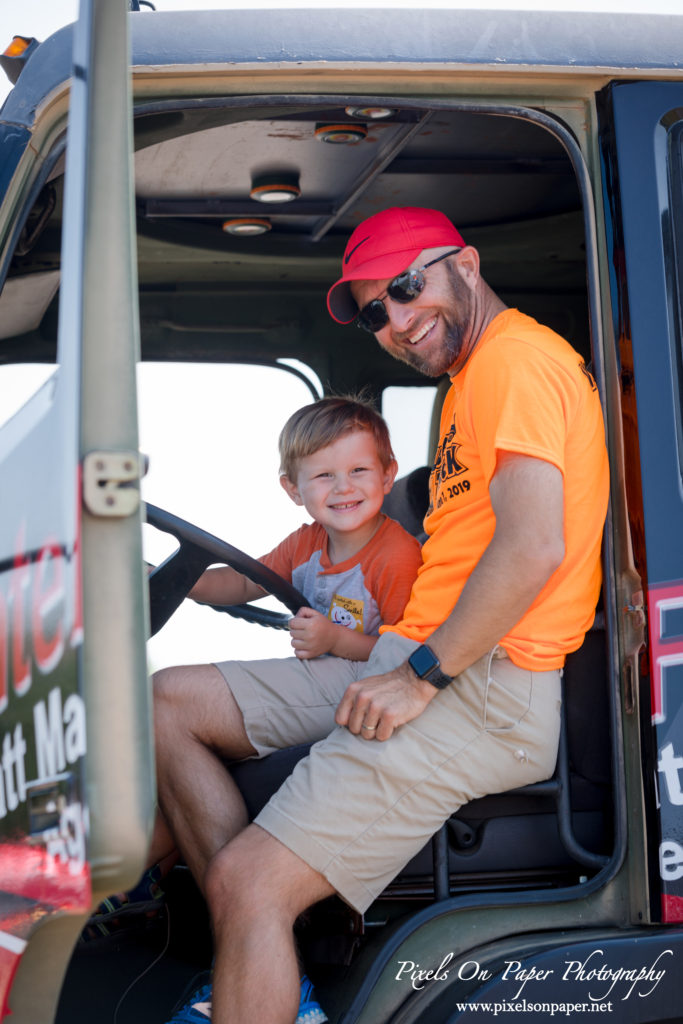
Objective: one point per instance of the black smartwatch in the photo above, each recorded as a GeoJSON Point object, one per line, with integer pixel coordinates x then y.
{"type": "Point", "coordinates": [425, 665]}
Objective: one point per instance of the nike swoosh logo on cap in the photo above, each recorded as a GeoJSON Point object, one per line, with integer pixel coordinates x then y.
{"type": "Point", "coordinates": [350, 254]}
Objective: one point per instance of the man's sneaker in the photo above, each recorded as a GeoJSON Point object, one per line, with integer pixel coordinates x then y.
{"type": "Point", "coordinates": [197, 1009]}
{"type": "Point", "coordinates": [310, 1010]}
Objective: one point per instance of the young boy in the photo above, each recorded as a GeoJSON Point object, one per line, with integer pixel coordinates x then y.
{"type": "Point", "coordinates": [354, 565]}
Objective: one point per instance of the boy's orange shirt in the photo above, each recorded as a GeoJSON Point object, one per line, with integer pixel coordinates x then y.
{"type": "Point", "coordinates": [523, 390]}
{"type": "Point", "coordinates": [363, 591]}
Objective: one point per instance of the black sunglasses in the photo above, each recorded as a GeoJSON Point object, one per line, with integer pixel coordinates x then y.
{"type": "Point", "coordinates": [404, 288]}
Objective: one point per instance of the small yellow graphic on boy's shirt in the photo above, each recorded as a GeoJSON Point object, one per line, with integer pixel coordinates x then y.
{"type": "Point", "coordinates": [347, 611]}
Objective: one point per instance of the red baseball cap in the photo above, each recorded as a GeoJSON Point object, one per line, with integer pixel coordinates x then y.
{"type": "Point", "coordinates": [383, 246]}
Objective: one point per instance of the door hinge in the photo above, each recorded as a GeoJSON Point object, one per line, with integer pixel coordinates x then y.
{"type": "Point", "coordinates": [110, 483]}
{"type": "Point", "coordinates": [634, 624]}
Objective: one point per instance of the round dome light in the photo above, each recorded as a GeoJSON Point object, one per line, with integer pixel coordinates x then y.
{"type": "Point", "coordinates": [340, 134]}
{"type": "Point", "coordinates": [370, 113]}
{"type": "Point", "coordinates": [275, 188]}
{"type": "Point", "coordinates": [246, 226]}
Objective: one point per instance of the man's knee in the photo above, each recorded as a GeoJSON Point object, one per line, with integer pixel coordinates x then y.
{"type": "Point", "coordinates": [180, 698]}
{"type": "Point", "coordinates": [232, 883]}
{"type": "Point", "coordinates": [170, 694]}
{"type": "Point", "coordinates": [164, 683]}
{"type": "Point", "coordinates": [255, 873]}
{"type": "Point", "coordinates": [195, 702]}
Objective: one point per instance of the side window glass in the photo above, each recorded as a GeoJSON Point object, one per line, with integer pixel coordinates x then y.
{"type": "Point", "coordinates": [210, 432]}
{"type": "Point", "coordinates": [408, 411]}
{"type": "Point", "coordinates": [18, 383]}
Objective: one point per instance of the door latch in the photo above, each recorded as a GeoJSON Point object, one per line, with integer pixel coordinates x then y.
{"type": "Point", "coordinates": [110, 483]}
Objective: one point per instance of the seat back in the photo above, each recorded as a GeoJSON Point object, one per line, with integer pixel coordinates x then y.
{"type": "Point", "coordinates": [408, 499]}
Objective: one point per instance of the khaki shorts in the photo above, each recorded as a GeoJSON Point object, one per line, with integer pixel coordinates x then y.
{"type": "Point", "coordinates": [356, 810]}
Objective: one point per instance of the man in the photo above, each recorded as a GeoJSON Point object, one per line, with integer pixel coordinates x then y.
{"type": "Point", "coordinates": [459, 699]}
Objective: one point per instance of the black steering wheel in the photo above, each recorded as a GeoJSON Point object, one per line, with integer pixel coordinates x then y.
{"type": "Point", "coordinates": [171, 581]}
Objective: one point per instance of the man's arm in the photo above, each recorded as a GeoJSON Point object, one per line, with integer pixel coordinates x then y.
{"type": "Point", "coordinates": [527, 546]}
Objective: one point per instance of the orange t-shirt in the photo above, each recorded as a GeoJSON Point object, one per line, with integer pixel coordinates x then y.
{"type": "Point", "coordinates": [524, 390]}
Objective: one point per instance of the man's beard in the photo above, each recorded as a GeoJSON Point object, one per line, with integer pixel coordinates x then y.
{"type": "Point", "coordinates": [437, 363]}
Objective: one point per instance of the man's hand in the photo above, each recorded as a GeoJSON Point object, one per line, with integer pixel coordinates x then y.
{"type": "Point", "coordinates": [312, 633]}
{"type": "Point", "coordinates": [375, 706]}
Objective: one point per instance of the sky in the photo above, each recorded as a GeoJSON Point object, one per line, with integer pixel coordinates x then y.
{"type": "Point", "coordinates": [186, 476]}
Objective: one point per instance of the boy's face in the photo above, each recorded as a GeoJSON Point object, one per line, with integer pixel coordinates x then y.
{"type": "Point", "coordinates": [343, 485]}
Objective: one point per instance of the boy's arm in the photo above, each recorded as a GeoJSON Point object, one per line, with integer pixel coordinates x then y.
{"type": "Point", "coordinates": [223, 585]}
{"type": "Point", "coordinates": [313, 634]}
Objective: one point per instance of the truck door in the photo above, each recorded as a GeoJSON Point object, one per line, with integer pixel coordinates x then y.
{"type": "Point", "coordinates": [643, 125]}
{"type": "Point", "coordinates": [76, 782]}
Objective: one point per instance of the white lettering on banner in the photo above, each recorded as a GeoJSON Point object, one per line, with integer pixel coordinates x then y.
{"type": "Point", "coordinates": [60, 740]}
{"type": "Point", "coordinates": [67, 843]}
{"type": "Point", "coordinates": [13, 779]}
{"type": "Point", "coordinates": [670, 852]}
{"type": "Point", "coordinates": [55, 746]}
{"type": "Point", "coordinates": [671, 860]}
{"type": "Point", "coordinates": [665, 628]}
{"type": "Point", "coordinates": [670, 765]}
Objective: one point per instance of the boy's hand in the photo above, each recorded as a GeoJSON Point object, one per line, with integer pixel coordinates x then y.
{"type": "Point", "coordinates": [312, 634]}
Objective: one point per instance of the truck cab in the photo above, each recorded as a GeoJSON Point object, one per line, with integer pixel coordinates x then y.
{"type": "Point", "coordinates": [175, 196]}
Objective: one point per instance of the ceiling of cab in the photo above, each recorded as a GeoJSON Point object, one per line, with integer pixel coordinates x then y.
{"type": "Point", "coordinates": [481, 169]}
{"type": "Point", "coordinates": [506, 182]}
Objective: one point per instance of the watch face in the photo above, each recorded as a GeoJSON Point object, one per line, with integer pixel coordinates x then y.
{"type": "Point", "coordinates": [422, 661]}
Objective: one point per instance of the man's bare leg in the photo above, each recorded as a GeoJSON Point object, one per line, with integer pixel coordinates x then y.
{"type": "Point", "coordinates": [256, 888]}
{"type": "Point", "coordinates": [162, 847]}
{"type": "Point", "coordinates": [197, 722]}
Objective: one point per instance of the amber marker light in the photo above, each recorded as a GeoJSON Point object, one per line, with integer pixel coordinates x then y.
{"type": "Point", "coordinates": [17, 47]}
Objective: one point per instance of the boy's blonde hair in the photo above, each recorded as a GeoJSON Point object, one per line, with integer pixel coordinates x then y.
{"type": "Point", "coordinates": [321, 423]}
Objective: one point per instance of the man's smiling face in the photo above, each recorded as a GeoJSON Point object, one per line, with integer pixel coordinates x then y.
{"type": "Point", "coordinates": [433, 331]}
